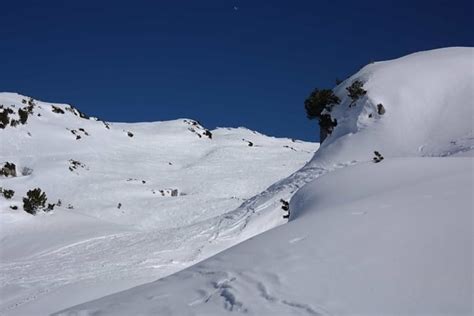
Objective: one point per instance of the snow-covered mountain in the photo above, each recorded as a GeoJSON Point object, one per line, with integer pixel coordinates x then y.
{"type": "Point", "coordinates": [137, 201]}
{"type": "Point", "coordinates": [367, 236]}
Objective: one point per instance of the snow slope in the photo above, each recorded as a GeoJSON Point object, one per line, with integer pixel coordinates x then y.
{"type": "Point", "coordinates": [51, 261]}
{"type": "Point", "coordinates": [392, 238]}
{"type": "Point", "coordinates": [400, 244]}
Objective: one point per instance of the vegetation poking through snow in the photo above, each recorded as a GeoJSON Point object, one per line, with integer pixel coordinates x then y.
{"type": "Point", "coordinates": [168, 192]}
{"type": "Point", "coordinates": [327, 123]}
{"type": "Point", "coordinates": [4, 117]}
{"type": "Point", "coordinates": [378, 157]}
{"type": "Point", "coordinates": [7, 194]}
{"type": "Point", "coordinates": [286, 207]}
{"type": "Point", "coordinates": [76, 112]}
{"type": "Point", "coordinates": [23, 114]}
{"type": "Point", "coordinates": [249, 143]}
{"type": "Point", "coordinates": [78, 132]}
{"type": "Point", "coordinates": [74, 165]}
{"type": "Point", "coordinates": [207, 133]}
{"type": "Point", "coordinates": [31, 102]}
{"type": "Point", "coordinates": [84, 131]}
{"type": "Point", "coordinates": [355, 91]}
{"type": "Point", "coordinates": [8, 170]}
{"type": "Point", "coordinates": [196, 128]}
{"type": "Point", "coordinates": [318, 101]}
{"type": "Point", "coordinates": [35, 201]}
{"type": "Point", "coordinates": [319, 105]}
{"type": "Point", "coordinates": [57, 110]}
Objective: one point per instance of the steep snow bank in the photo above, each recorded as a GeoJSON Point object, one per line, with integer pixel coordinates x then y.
{"type": "Point", "coordinates": [399, 243]}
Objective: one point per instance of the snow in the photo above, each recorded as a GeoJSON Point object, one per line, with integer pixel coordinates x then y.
{"type": "Point", "coordinates": [52, 261]}
{"type": "Point", "coordinates": [399, 244]}
{"type": "Point", "coordinates": [364, 238]}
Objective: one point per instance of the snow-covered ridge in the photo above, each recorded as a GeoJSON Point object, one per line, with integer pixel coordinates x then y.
{"type": "Point", "coordinates": [386, 238]}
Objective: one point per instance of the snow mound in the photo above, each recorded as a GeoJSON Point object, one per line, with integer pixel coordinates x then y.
{"type": "Point", "coordinates": [429, 111]}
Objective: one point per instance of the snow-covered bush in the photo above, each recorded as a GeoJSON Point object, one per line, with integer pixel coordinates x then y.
{"type": "Point", "coordinates": [76, 112]}
{"type": "Point", "coordinates": [378, 157]}
{"type": "Point", "coordinates": [286, 207]}
{"type": "Point", "coordinates": [56, 109]}
{"type": "Point", "coordinates": [23, 116]}
{"type": "Point", "coordinates": [4, 118]}
{"type": "Point", "coordinates": [31, 102]}
{"type": "Point", "coordinates": [7, 194]}
{"type": "Point", "coordinates": [355, 91]}
{"type": "Point", "coordinates": [34, 201]}
{"type": "Point", "coordinates": [8, 169]}
{"type": "Point", "coordinates": [207, 133]}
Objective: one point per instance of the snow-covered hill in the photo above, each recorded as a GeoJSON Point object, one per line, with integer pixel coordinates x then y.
{"type": "Point", "coordinates": [365, 238]}
{"type": "Point", "coordinates": [138, 201]}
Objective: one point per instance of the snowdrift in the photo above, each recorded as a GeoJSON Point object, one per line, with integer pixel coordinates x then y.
{"type": "Point", "coordinates": [427, 98]}
{"type": "Point", "coordinates": [387, 238]}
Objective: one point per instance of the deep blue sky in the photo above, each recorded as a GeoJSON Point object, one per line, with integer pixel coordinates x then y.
{"type": "Point", "coordinates": [202, 59]}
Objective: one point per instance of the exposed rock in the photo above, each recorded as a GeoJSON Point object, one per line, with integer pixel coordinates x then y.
{"type": "Point", "coordinates": [380, 109]}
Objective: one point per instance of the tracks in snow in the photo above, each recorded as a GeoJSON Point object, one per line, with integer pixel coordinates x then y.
{"type": "Point", "coordinates": [152, 254]}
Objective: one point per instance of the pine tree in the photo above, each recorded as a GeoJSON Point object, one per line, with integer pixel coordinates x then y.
{"type": "Point", "coordinates": [35, 200]}
{"type": "Point", "coordinates": [318, 101]}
